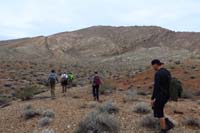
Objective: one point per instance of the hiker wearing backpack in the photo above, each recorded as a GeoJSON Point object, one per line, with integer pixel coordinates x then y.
{"type": "Point", "coordinates": [64, 82]}
{"type": "Point", "coordinates": [161, 94]}
{"type": "Point", "coordinates": [52, 79]}
{"type": "Point", "coordinates": [95, 86]}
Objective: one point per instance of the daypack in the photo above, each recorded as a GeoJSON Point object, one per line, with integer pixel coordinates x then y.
{"type": "Point", "coordinates": [96, 81]}
{"type": "Point", "coordinates": [71, 77]}
{"type": "Point", "coordinates": [64, 78]}
{"type": "Point", "coordinates": [52, 78]}
{"type": "Point", "coordinates": [175, 89]}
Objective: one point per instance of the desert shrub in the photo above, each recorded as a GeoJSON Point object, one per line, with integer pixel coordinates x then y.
{"type": "Point", "coordinates": [4, 100]}
{"type": "Point", "coordinates": [108, 107]}
{"type": "Point", "coordinates": [176, 89]}
{"type": "Point", "coordinates": [44, 121]}
{"type": "Point", "coordinates": [49, 114]}
{"type": "Point", "coordinates": [130, 95]}
{"type": "Point", "coordinates": [28, 92]}
{"type": "Point", "coordinates": [29, 112]}
{"type": "Point", "coordinates": [83, 106]}
{"type": "Point", "coordinates": [96, 122]}
{"type": "Point", "coordinates": [142, 108]}
{"type": "Point", "coordinates": [195, 122]}
{"type": "Point", "coordinates": [150, 122]}
{"type": "Point", "coordinates": [107, 87]}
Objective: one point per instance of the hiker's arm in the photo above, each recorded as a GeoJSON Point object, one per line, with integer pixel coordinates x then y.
{"type": "Point", "coordinates": [156, 87]}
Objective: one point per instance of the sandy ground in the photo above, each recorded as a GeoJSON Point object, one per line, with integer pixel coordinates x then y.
{"type": "Point", "coordinates": [68, 113]}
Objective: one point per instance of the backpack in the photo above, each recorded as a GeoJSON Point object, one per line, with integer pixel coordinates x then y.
{"type": "Point", "coordinates": [71, 77]}
{"type": "Point", "coordinates": [64, 78]}
{"type": "Point", "coordinates": [52, 78]}
{"type": "Point", "coordinates": [175, 89]}
{"type": "Point", "coordinates": [96, 81]}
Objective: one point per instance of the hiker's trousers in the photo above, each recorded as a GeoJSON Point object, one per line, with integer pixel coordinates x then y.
{"type": "Point", "coordinates": [52, 86]}
{"type": "Point", "coordinates": [96, 92]}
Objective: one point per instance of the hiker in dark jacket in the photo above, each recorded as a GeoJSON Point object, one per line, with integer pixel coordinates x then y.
{"type": "Point", "coordinates": [95, 86]}
{"type": "Point", "coordinates": [161, 94]}
{"type": "Point", "coordinates": [52, 79]}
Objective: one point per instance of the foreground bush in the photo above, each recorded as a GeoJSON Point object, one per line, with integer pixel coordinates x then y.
{"type": "Point", "coordinates": [108, 107]}
{"type": "Point", "coordinates": [97, 122]}
{"type": "Point", "coordinates": [131, 95]}
{"type": "Point", "coordinates": [142, 108]}
{"type": "Point", "coordinates": [44, 121]}
{"type": "Point", "coordinates": [150, 121]}
{"type": "Point", "coordinates": [29, 112]}
{"type": "Point", "coordinates": [49, 114]}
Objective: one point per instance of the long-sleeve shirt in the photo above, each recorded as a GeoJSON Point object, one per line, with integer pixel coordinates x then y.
{"type": "Point", "coordinates": [161, 84]}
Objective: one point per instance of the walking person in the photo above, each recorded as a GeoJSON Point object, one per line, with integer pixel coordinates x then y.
{"type": "Point", "coordinates": [52, 79]}
{"type": "Point", "coordinates": [161, 94]}
{"type": "Point", "coordinates": [95, 86]}
{"type": "Point", "coordinates": [64, 82]}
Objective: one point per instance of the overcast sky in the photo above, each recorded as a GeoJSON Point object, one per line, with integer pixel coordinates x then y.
{"type": "Point", "coordinates": [26, 18]}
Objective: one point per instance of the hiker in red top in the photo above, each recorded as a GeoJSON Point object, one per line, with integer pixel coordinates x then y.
{"type": "Point", "coordinates": [95, 85]}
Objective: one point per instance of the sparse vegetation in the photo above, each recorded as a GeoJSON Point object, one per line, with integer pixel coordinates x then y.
{"type": "Point", "coordinates": [29, 112]}
{"type": "Point", "coordinates": [97, 122]}
{"type": "Point", "coordinates": [29, 91]}
{"type": "Point", "coordinates": [4, 100]}
{"type": "Point", "coordinates": [150, 122]}
{"type": "Point", "coordinates": [49, 114]}
{"type": "Point", "coordinates": [108, 107]}
{"type": "Point", "coordinates": [194, 122]}
{"type": "Point", "coordinates": [130, 95]}
{"type": "Point", "coordinates": [142, 108]}
{"type": "Point", "coordinates": [106, 87]}
{"type": "Point", "coordinates": [44, 121]}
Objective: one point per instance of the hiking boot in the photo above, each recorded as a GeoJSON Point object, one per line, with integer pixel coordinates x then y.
{"type": "Point", "coordinates": [169, 124]}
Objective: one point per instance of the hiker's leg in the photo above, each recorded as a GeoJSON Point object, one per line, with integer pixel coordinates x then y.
{"type": "Point", "coordinates": [94, 92]}
{"type": "Point", "coordinates": [52, 90]}
{"type": "Point", "coordinates": [97, 92]}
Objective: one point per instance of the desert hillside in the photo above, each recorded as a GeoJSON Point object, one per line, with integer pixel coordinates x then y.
{"type": "Point", "coordinates": [122, 56]}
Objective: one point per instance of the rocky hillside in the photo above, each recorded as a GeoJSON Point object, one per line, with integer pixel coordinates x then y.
{"type": "Point", "coordinates": [104, 45]}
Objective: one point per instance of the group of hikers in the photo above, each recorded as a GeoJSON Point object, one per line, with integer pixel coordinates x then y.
{"type": "Point", "coordinates": [160, 96]}
{"type": "Point", "coordinates": [66, 80]}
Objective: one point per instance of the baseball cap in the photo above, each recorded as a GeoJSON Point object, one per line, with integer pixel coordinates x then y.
{"type": "Point", "coordinates": [156, 61]}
